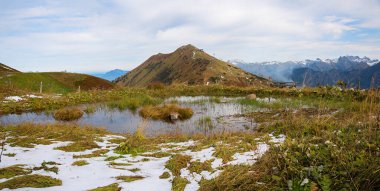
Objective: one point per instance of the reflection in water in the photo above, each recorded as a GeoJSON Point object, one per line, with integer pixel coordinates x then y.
{"type": "Point", "coordinates": [221, 114]}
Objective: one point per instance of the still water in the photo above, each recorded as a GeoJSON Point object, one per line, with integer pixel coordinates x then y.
{"type": "Point", "coordinates": [225, 115]}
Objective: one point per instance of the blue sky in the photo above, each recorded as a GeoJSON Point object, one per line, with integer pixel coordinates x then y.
{"type": "Point", "coordinates": [100, 35]}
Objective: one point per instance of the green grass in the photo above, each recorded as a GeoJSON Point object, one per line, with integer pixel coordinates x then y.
{"type": "Point", "coordinates": [80, 163]}
{"type": "Point", "coordinates": [321, 152]}
{"type": "Point", "coordinates": [165, 175]}
{"type": "Point", "coordinates": [31, 82]}
{"type": "Point", "coordinates": [111, 187]}
{"type": "Point", "coordinates": [96, 153]}
{"type": "Point", "coordinates": [177, 162]}
{"type": "Point", "coordinates": [129, 178]}
{"type": "Point", "coordinates": [205, 122]}
{"type": "Point", "coordinates": [179, 183]}
{"type": "Point", "coordinates": [44, 166]}
{"type": "Point", "coordinates": [112, 158]}
{"type": "Point", "coordinates": [15, 170]}
{"type": "Point", "coordinates": [134, 169]}
{"type": "Point", "coordinates": [79, 146]}
{"type": "Point", "coordinates": [134, 97]}
{"type": "Point", "coordinates": [32, 181]}
{"type": "Point", "coordinates": [198, 167]}
{"type": "Point", "coordinates": [134, 101]}
{"type": "Point", "coordinates": [53, 82]}
{"type": "Point", "coordinates": [28, 134]}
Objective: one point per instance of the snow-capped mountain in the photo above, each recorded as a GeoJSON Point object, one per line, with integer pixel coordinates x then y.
{"type": "Point", "coordinates": [283, 71]}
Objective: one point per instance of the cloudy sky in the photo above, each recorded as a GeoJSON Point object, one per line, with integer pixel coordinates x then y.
{"type": "Point", "coordinates": [99, 35]}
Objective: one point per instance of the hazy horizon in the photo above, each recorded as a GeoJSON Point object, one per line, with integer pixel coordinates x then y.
{"type": "Point", "coordinates": [98, 36]}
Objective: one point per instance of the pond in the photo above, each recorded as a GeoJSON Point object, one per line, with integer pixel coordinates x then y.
{"type": "Point", "coordinates": [210, 115]}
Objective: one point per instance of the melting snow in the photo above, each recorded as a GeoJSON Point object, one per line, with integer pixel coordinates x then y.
{"type": "Point", "coordinates": [99, 173]}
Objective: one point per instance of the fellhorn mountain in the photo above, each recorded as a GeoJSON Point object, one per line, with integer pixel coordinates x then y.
{"type": "Point", "coordinates": [188, 65]}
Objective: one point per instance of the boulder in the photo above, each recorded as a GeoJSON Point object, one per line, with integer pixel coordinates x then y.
{"type": "Point", "coordinates": [174, 116]}
{"type": "Point", "coordinates": [251, 97]}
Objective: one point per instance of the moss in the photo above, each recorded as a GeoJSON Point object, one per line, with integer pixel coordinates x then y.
{"type": "Point", "coordinates": [111, 158]}
{"type": "Point", "coordinates": [14, 170]}
{"type": "Point", "coordinates": [111, 187]}
{"type": "Point", "coordinates": [44, 166]}
{"type": "Point", "coordinates": [129, 178]}
{"type": "Point", "coordinates": [68, 114]}
{"type": "Point", "coordinates": [79, 146]}
{"type": "Point", "coordinates": [165, 175]}
{"type": "Point", "coordinates": [32, 181]}
{"type": "Point", "coordinates": [96, 153]}
{"type": "Point", "coordinates": [10, 154]}
{"type": "Point", "coordinates": [80, 163]}
{"type": "Point", "coordinates": [158, 154]}
{"type": "Point", "coordinates": [179, 183]}
{"type": "Point", "coordinates": [134, 169]}
{"type": "Point", "coordinates": [119, 164]}
{"type": "Point", "coordinates": [177, 162]}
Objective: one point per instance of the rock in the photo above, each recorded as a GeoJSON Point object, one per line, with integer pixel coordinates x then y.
{"type": "Point", "coordinates": [251, 97]}
{"type": "Point", "coordinates": [174, 116]}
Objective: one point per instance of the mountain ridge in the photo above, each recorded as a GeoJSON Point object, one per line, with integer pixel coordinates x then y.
{"type": "Point", "coordinates": [282, 71]}
{"type": "Point", "coordinates": [188, 65]}
{"type": "Point", "coordinates": [110, 75]}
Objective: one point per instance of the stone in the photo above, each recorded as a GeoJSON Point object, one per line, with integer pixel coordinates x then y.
{"type": "Point", "coordinates": [251, 97]}
{"type": "Point", "coordinates": [174, 116]}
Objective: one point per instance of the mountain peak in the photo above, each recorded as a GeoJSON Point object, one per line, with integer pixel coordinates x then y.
{"type": "Point", "coordinates": [188, 47]}
{"type": "Point", "coordinates": [188, 65]}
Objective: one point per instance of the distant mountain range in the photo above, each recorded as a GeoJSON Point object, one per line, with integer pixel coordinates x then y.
{"type": "Point", "coordinates": [188, 65]}
{"type": "Point", "coordinates": [353, 70]}
{"type": "Point", "coordinates": [110, 75]}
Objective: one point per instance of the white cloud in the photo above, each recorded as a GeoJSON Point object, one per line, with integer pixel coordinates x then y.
{"type": "Point", "coordinates": [123, 33]}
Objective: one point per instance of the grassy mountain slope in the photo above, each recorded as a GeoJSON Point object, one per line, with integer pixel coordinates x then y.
{"type": "Point", "coordinates": [4, 69]}
{"type": "Point", "coordinates": [188, 65]}
{"type": "Point", "coordinates": [53, 82]}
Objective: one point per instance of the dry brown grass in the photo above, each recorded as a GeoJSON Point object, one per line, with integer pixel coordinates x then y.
{"type": "Point", "coordinates": [29, 134]}
{"type": "Point", "coordinates": [163, 112]}
{"type": "Point", "coordinates": [68, 114]}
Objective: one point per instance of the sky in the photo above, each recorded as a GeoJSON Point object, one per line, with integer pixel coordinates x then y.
{"type": "Point", "coordinates": [101, 35]}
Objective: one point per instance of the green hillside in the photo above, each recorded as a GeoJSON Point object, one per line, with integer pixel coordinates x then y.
{"type": "Point", "coordinates": [52, 82]}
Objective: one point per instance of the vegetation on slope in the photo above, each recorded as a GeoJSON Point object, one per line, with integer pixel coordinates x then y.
{"type": "Point", "coordinates": [52, 82]}
{"type": "Point", "coordinates": [188, 65]}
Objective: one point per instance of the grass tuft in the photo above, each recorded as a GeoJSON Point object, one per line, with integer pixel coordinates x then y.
{"type": "Point", "coordinates": [165, 175]}
{"type": "Point", "coordinates": [32, 181]}
{"type": "Point", "coordinates": [179, 183]}
{"type": "Point", "coordinates": [177, 162]}
{"type": "Point", "coordinates": [15, 170]}
{"type": "Point", "coordinates": [68, 114]}
{"type": "Point", "coordinates": [129, 178]}
{"type": "Point", "coordinates": [164, 112]}
{"type": "Point", "coordinates": [111, 187]}
{"type": "Point", "coordinates": [80, 163]}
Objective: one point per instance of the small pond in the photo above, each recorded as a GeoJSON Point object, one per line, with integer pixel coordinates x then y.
{"type": "Point", "coordinates": [221, 114]}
